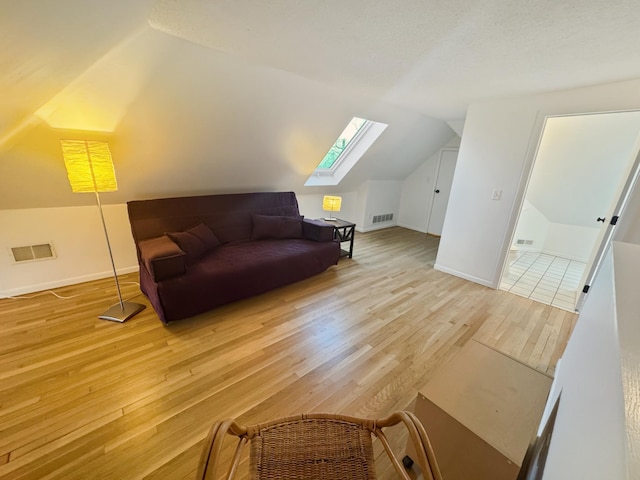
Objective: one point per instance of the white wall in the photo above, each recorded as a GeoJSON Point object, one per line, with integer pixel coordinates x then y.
{"type": "Point", "coordinates": [532, 225]}
{"type": "Point", "coordinates": [627, 278]}
{"type": "Point", "coordinates": [417, 195]}
{"type": "Point", "coordinates": [588, 441]}
{"type": "Point", "coordinates": [382, 197]}
{"type": "Point", "coordinates": [568, 241]}
{"type": "Point", "coordinates": [496, 152]}
{"type": "Point", "coordinates": [183, 129]}
{"type": "Point", "coordinates": [599, 377]}
{"type": "Point", "coordinates": [417, 191]}
{"type": "Point", "coordinates": [79, 242]}
{"type": "Point", "coordinates": [311, 206]}
{"type": "Point", "coordinates": [78, 237]}
{"type": "Point", "coordinates": [571, 241]}
{"type": "Point", "coordinates": [581, 164]}
{"type": "Point", "coordinates": [629, 231]}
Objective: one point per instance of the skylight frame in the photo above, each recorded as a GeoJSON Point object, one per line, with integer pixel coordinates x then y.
{"type": "Point", "coordinates": [362, 131]}
{"type": "Point", "coordinates": [350, 156]}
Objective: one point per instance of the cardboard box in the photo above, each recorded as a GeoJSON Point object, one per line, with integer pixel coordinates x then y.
{"type": "Point", "coordinates": [480, 411]}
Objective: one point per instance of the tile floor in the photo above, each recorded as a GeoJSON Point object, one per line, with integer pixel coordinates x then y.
{"type": "Point", "coordinates": [544, 278]}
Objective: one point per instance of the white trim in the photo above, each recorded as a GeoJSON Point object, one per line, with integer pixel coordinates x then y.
{"type": "Point", "coordinates": [465, 276]}
{"type": "Point", "coordinates": [66, 282]}
{"type": "Point", "coordinates": [411, 227]}
{"type": "Point", "coordinates": [354, 151]}
{"type": "Point", "coordinates": [377, 227]}
{"type": "Point", "coordinates": [350, 146]}
{"type": "Point", "coordinates": [526, 171]}
{"type": "Point", "coordinates": [566, 255]}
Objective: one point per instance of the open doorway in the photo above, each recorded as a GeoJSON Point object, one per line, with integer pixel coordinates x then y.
{"type": "Point", "coordinates": [581, 168]}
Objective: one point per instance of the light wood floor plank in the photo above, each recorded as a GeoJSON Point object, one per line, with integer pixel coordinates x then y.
{"type": "Point", "coordinates": [84, 398]}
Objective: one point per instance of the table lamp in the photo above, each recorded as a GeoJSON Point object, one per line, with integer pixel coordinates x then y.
{"type": "Point", "coordinates": [331, 204]}
{"type": "Point", "coordinates": [90, 169]}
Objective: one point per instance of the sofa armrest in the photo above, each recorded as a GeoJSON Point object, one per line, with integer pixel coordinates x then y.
{"type": "Point", "coordinates": [162, 258]}
{"type": "Point", "coordinates": [317, 230]}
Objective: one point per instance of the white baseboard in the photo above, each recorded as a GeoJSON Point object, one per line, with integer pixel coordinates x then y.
{"type": "Point", "coordinates": [471, 278]}
{"type": "Point", "coordinates": [565, 255]}
{"type": "Point", "coordinates": [524, 248]}
{"type": "Point", "coordinates": [371, 229]}
{"type": "Point", "coordinates": [412, 227]}
{"type": "Point", "coordinates": [63, 282]}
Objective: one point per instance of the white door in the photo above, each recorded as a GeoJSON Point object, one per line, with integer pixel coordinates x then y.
{"type": "Point", "coordinates": [442, 190]}
{"type": "Point", "coordinates": [606, 234]}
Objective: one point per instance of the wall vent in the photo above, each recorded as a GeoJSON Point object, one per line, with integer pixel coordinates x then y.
{"type": "Point", "coordinates": [387, 217]}
{"type": "Point", "coordinates": [521, 241]}
{"type": "Point", "coordinates": [31, 253]}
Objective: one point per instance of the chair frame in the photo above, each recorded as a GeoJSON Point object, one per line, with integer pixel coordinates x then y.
{"type": "Point", "coordinates": [209, 460]}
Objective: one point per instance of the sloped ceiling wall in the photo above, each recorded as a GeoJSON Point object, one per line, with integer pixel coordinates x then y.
{"type": "Point", "coordinates": [432, 55]}
{"type": "Point", "coordinates": [181, 118]}
{"type": "Point", "coordinates": [580, 162]}
{"type": "Point", "coordinates": [206, 122]}
{"type": "Point", "coordinates": [197, 96]}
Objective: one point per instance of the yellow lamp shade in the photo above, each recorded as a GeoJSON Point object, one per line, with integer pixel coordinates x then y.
{"type": "Point", "coordinates": [89, 166]}
{"type": "Point", "coordinates": [331, 203]}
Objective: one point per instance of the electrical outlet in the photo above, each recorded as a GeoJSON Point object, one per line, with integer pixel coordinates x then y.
{"type": "Point", "coordinates": [496, 194]}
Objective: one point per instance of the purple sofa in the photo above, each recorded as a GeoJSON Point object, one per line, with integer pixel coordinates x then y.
{"type": "Point", "coordinates": [196, 253]}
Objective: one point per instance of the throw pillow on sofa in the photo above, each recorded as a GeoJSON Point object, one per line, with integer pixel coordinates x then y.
{"type": "Point", "coordinates": [195, 242]}
{"type": "Point", "coordinates": [275, 226]}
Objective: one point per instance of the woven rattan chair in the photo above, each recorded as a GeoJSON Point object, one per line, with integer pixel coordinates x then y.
{"type": "Point", "coordinates": [314, 446]}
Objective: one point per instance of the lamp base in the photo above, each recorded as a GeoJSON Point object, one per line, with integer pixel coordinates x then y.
{"type": "Point", "coordinates": [330, 219]}
{"type": "Point", "coordinates": [122, 313]}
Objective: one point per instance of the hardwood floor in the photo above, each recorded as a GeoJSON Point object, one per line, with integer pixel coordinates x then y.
{"type": "Point", "coordinates": [84, 398]}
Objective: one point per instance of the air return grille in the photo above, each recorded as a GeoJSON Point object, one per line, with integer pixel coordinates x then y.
{"type": "Point", "coordinates": [387, 217]}
{"type": "Point", "coordinates": [31, 253]}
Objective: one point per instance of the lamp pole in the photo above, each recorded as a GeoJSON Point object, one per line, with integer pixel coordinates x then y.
{"type": "Point", "coordinates": [113, 264]}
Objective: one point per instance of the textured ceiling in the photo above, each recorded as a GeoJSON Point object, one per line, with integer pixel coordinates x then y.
{"type": "Point", "coordinates": [434, 55]}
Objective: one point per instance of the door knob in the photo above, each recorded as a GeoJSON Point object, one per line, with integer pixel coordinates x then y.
{"type": "Point", "coordinates": [437, 191]}
{"type": "Point", "coordinates": [601, 219]}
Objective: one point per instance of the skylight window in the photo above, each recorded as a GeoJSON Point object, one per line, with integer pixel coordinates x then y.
{"type": "Point", "coordinates": [351, 145]}
{"type": "Point", "coordinates": [337, 149]}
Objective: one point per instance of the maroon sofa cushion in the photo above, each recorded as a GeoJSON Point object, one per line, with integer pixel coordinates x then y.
{"type": "Point", "coordinates": [317, 230]}
{"type": "Point", "coordinates": [228, 216]}
{"type": "Point", "coordinates": [162, 258]}
{"type": "Point", "coordinates": [276, 226]}
{"type": "Point", "coordinates": [195, 242]}
{"type": "Point", "coordinates": [236, 271]}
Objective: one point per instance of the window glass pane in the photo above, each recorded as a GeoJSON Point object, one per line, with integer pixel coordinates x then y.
{"type": "Point", "coordinates": [341, 143]}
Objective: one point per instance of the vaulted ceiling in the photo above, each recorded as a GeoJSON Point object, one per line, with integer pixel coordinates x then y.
{"type": "Point", "coordinates": [199, 96]}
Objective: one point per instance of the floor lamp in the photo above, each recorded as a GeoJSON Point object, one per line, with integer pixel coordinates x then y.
{"type": "Point", "coordinates": [90, 169]}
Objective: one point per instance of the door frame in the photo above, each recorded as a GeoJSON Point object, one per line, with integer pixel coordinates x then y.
{"type": "Point", "coordinates": [533, 151]}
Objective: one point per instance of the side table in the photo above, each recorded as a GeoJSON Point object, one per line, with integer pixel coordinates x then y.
{"type": "Point", "coordinates": [343, 231]}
